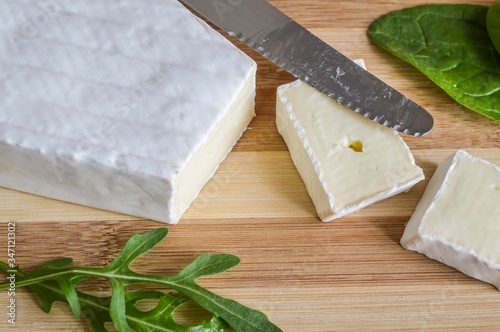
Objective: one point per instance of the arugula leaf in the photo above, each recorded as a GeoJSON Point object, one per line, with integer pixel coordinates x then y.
{"type": "Point", "coordinates": [450, 44]}
{"type": "Point", "coordinates": [162, 315]}
{"type": "Point", "coordinates": [96, 309]}
{"type": "Point", "coordinates": [493, 24]}
{"type": "Point", "coordinates": [55, 281]}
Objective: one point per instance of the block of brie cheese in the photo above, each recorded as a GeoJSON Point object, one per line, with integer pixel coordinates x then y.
{"type": "Point", "coordinates": [127, 105]}
{"type": "Point", "coordinates": [457, 221]}
{"type": "Point", "coordinates": [345, 160]}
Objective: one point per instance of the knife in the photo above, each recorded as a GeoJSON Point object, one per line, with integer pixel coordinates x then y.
{"type": "Point", "coordinates": [289, 45]}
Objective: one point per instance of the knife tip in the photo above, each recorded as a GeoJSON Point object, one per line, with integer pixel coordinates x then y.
{"type": "Point", "coordinates": [422, 124]}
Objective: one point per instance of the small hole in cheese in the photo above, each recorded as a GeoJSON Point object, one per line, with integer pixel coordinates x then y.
{"type": "Point", "coordinates": [356, 146]}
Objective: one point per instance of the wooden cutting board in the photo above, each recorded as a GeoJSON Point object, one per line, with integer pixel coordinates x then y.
{"type": "Point", "coordinates": [350, 274]}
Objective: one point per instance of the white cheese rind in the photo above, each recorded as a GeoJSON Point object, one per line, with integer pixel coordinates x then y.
{"type": "Point", "coordinates": [322, 138]}
{"type": "Point", "coordinates": [127, 106]}
{"type": "Point", "coordinates": [457, 221]}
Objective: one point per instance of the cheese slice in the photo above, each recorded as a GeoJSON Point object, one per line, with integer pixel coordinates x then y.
{"type": "Point", "coordinates": [346, 161]}
{"type": "Point", "coordinates": [457, 221]}
{"type": "Point", "coordinates": [127, 106]}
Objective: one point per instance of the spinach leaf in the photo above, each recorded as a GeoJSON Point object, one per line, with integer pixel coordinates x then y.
{"type": "Point", "coordinates": [493, 24]}
{"type": "Point", "coordinates": [450, 44]}
{"type": "Point", "coordinates": [55, 281]}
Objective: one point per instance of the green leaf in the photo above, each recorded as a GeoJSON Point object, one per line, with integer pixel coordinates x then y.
{"type": "Point", "coordinates": [450, 44]}
{"type": "Point", "coordinates": [55, 281]}
{"type": "Point", "coordinates": [117, 306]}
{"type": "Point", "coordinates": [69, 292]}
{"type": "Point", "coordinates": [238, 316]}
{"type": "Point", "coordinates": [96, 309]}
{"type": "Point", "coordinates": [162, 314]}
{"type": "Point", "coordinates": [47, 295]}
{"type": "Point", "coordinates": [136, 246]}
{"type": "Point", "coordinates": [206, 265]}
{"type": "Point", "coordinates": [55, 264]}
{"type": "Point", "coordinates": [493, 24]}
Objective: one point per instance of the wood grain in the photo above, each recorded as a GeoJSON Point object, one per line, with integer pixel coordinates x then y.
{"type": "Point", "coordinates": [346, 275]}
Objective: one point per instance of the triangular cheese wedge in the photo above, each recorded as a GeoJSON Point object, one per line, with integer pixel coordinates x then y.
{"type": "Point", "coordinates": [346, 160]}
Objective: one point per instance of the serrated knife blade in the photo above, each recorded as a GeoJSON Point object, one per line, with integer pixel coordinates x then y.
{"type": "Point", "coordinates": [289, 45]}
